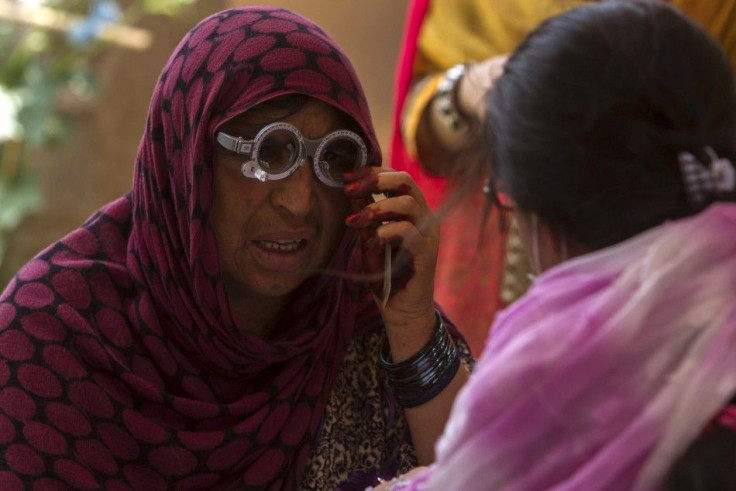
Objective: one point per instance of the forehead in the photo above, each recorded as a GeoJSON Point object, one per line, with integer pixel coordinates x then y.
{"type": "Point", "coordinates": [307, 114]}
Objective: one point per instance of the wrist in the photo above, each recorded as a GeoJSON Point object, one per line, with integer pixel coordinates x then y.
{"type": "Point", "coordinates": [474, 86]}
{"type": "Point", "coordinates": [469, 98]}
{"type": "Point", "coordinates": [446, 98]}
{"type": "Point", "coordinates": [410, 334]}
{"type": "Point", "coordinates": [419, 378]}
{"type": "Point", "coordinates": [451, 125]}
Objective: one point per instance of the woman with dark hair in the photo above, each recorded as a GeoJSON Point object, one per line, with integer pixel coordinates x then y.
{"type": "Point", "coordinates": [612, 135]}
{"type": "Point", "coordinates": [451, 53]}
{"type": "Point", "coordinates": [216, 327]}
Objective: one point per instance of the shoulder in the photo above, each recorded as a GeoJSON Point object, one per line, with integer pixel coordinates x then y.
{"type": "Point", "coordinates": [71, 269]}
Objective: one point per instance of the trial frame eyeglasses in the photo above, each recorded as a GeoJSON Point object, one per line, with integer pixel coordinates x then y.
{"type": "Point", "coordinates": [279, 149]}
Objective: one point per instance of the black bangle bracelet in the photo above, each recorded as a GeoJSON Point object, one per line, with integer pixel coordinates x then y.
{"type": "Point", "coordinates": [425, 374]}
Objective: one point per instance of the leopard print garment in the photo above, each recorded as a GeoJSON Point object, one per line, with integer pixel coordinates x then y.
{"type": "Point", "coordinates": [364, 433]}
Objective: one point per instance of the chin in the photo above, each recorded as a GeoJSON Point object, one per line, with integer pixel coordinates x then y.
{"type": "Point", "coordinates": [278, 287]}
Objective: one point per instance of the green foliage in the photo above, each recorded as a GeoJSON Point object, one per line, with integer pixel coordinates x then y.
{"type": "Point", "coordinates": [166, 7]}
{"type": "Point", "coordinates": [37, 67]}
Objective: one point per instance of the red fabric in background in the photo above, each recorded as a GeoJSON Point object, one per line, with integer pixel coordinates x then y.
{"type": "Point", "coordinates": [468, 277]}
{"type": "Point", "coordinates": [432, 186]}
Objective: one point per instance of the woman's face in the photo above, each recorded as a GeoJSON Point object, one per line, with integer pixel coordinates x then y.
{"type": "Point", "coordinates": [272, 235]}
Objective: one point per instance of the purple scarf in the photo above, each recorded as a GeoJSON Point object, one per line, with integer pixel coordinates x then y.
{"type": "Point", "coordinates": [603, 374]}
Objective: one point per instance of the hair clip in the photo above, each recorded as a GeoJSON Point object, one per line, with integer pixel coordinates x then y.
{"type": "Point", "coordinates": [703, 182]}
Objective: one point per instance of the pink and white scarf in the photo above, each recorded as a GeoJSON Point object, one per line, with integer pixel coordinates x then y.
{"type": "Point", "coordinates": [605, 372]}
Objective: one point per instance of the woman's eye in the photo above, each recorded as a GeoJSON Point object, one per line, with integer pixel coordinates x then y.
{"type": "Point", "coordinates": [340, 160]}
{"type": "Point", "coordinates": [277, 157]}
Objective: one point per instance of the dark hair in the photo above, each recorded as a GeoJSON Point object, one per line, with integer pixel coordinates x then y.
{"type": "Point", "coordinates": [585, 127]}
{"type": "Point", "coordinates": [593, 108]}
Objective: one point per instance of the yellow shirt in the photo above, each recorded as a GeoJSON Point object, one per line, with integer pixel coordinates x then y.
{"type": "Point", "coordinates": [459, 31]}
{"type": "Point", "coordinates": [718, 17]}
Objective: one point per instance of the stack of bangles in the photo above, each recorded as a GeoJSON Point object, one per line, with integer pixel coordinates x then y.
{"type": "Point", "coordinates": [421, 377]}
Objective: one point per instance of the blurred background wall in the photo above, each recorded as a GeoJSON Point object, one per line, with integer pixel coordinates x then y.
{"type": "Point", "coordinates": [95, 166]}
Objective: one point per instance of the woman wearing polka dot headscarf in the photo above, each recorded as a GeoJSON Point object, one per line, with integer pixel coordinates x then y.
{"type": "Point", "coordinates": [214, 328]}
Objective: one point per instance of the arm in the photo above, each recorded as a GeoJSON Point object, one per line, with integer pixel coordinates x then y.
{"type": "Point", "coordinates": [462, 31]}
{"type": "Point", "coordinates": [405, 221]}
{"type": "Point", "coordinates": [435, 140]}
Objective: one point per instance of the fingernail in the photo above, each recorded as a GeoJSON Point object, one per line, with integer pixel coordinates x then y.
{"type": "Point", "coordinates": [354, 218]}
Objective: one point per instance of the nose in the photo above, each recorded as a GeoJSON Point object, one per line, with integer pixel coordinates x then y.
{"type": "Point", "coordinates": [295, 194]}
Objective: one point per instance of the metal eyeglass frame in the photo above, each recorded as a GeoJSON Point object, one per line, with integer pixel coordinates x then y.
{"type": "Point", "coordinates": [307, 148]}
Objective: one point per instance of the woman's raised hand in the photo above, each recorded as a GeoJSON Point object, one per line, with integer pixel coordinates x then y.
{"type": "Point", "coordinates": [405, 222]}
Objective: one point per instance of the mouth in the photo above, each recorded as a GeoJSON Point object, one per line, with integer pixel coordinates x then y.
{"type": "Point", "coordinates": [284, 254]}
{"type": "Point", "coordinates": [283, 251]}
{"type": "Point", "coordinates": [282, 246]}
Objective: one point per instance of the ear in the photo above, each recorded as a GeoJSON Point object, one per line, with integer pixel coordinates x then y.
{"type": "Point", "coordinates": [564, 248]}
{"type": "Point", "coordinates": [540, 241]}
{"type": "Point", "coordinates": [552, 245]}
{"type": "Point", "coordinates": [558, 245]}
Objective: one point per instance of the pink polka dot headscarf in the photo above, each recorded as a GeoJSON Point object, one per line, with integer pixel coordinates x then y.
{"type": "Point", "coordinates": [121, 364]}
